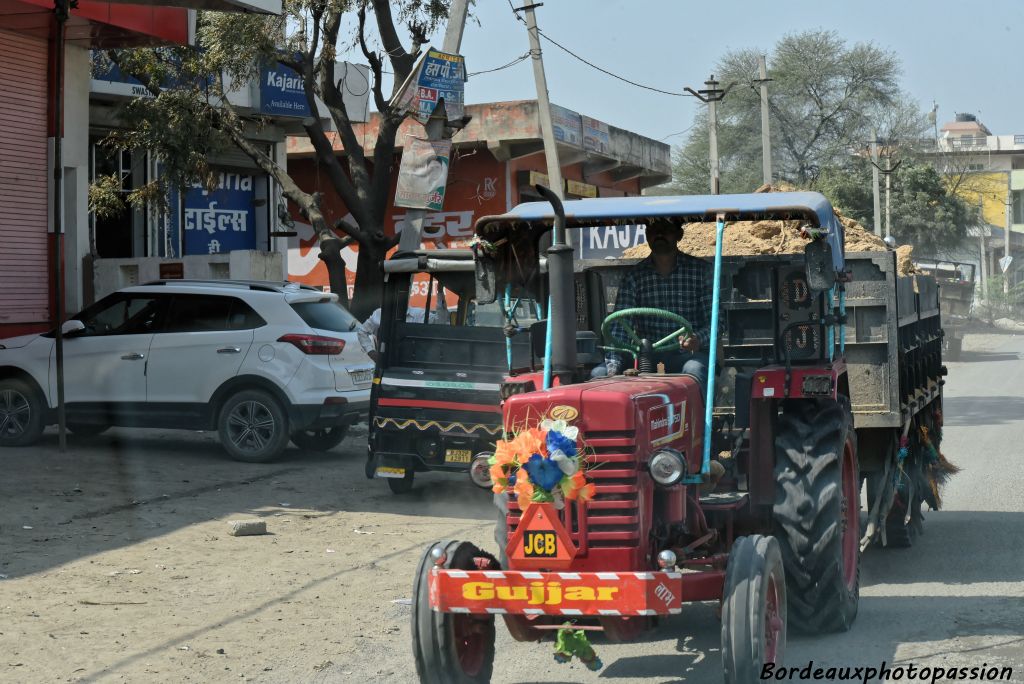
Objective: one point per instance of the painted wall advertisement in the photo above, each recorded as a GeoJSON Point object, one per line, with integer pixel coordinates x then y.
{"type": "Point", "coordinates": [596, 137]}
{"type": "Point", "coordinates": [437, 75]}
{"type": "Point", "coordinates": [423, 174]}
{"type": "Point", "coordinates": [221, 220]}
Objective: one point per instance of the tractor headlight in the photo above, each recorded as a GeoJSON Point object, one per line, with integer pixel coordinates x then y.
{"type": "Point", "coordinates": [667, 467]}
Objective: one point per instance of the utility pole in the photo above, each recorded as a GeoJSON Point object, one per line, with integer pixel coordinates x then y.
{"type": "Point", "coordinates": [712, 95]}
{"type": "Point", "coordinates": [888, 188]}
{"type": "Point", "coordinates": [766, 138]}
{"type": "Point", "coordinates": [547, 127]}
{"type": "Point", "coordinates": [435, 127]}
{"type": "Point", "coordinates": [874, 183]}
{"type": "Point", "coordinates": [1009, 228]}
{"type": "Point", "coordinates": [984, 256]}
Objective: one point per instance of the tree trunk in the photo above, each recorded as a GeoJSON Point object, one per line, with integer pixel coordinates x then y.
{"type": "Point", "coordinates": [330, 253]}
{"type": "Point", "coordinates": [369, 277]}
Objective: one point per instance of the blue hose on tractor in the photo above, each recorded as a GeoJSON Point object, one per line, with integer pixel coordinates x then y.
{"type": "Point", "coordinates": [709, 401]}
{"type": "Point", "coordinates": [547, 350]}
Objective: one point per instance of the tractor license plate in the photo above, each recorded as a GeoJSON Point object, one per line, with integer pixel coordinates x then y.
{"type": "Point", "coordinates": [387, 471]}
{"type": "Point", "coordinates": [361, 377]}
{"type": "Point", "coordinates": [458, 456]}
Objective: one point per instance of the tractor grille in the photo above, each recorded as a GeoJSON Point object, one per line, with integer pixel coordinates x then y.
{"type": "Point", "coordinates": [612, 518]}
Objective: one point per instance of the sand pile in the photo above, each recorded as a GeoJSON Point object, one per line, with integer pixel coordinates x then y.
{"type": "Point", "coordinates": [764, 237]}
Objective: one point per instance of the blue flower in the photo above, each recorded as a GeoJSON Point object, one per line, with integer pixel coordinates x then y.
{"type": "Point", "coordinates": [556, 441]}
{"type": "Point", "coordinates": [512, 480]}
{"type": "Point", "coordinates": [544, 473]}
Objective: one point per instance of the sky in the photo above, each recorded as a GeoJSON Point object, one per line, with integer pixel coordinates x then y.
{"type": "Point", "coordinates": [965, 56]}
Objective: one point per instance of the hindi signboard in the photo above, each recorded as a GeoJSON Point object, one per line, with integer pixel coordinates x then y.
{"type": "Point", "coordinates": [423, 174]}
{"type": "Point", "coordinates": [596, 137]}
{"type": "Point", "coordinates": [568, 127]}
{"type": "Point", "coordinates": [220, 220]}
{"type": "Point", "coordinates": [438, 75]}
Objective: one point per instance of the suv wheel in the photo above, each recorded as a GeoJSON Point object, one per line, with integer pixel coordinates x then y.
{"type": "Point", "coordinates": [21, 413]}
{"type": "Point", "coordinates": [253, 426]}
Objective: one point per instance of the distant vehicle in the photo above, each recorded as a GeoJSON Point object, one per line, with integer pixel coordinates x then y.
{"type": "Point", "coordinates": [956, 294]}
{"type": "Point", "coordinates": [259, 362]}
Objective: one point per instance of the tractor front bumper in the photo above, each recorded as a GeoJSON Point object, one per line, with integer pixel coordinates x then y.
{"type": "Point", "coordinates": [601, 594]}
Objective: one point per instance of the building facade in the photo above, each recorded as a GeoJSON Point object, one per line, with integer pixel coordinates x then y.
{"type": "Point", "coordinates": [495, 162]}
{"type": "Point", "coordinates": [27, 67]}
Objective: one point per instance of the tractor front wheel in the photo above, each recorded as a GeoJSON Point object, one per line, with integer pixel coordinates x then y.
{"type": "Point", "coordinates": [753, 609]}
{"type": "Point", "coordinates": [450, 648]}
{"type": "Point", "coordinates": [817, 513]}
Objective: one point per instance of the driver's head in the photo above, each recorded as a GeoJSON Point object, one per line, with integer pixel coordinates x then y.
{"type": "Point", "coordinates": [663, 235]}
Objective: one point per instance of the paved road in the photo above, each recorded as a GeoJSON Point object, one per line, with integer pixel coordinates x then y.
{"type": "Point", "coordinates": [955, 599]}
{"type": "Point", "coordinates": [322, 599]}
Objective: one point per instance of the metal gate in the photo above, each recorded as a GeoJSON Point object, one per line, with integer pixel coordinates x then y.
{"type": "Point", "coordinates": [24, 284]}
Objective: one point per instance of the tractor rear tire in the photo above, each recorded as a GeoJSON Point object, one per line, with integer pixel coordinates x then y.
{"type": "Point", "coordinates": [753, 609]}
{"type": "Point", "coordinates": [450, 648]}
{"type": "Point", "coordinates": [817, 513]}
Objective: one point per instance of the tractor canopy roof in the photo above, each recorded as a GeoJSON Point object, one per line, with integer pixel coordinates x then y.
{"type": "Point", "coordinates": [535, 218]}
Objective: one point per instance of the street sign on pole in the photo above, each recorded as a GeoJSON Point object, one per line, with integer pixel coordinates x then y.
{"type": "Point", "coordinates": [1005, 262]}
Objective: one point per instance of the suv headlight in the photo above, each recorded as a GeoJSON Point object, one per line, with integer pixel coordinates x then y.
{"type": "Point", "coordinates": [667, 467]}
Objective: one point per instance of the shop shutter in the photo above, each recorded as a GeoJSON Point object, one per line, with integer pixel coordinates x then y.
{"type": "Point", "coordinates": [24, 284]}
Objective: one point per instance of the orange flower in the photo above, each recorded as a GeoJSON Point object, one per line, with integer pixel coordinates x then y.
{"type": "Point", "coordinates": [504, 452]}
{"type": "Point", "coordinates": [523, 489]}
{"type": "Point", "coordinates": [587, 492]}
{"type": "Point", "coordinates": [499, 475]}
{"type": "Point", "coordinates": [579, 485]}
{"type": "Point", "coordinates": [531, 442]}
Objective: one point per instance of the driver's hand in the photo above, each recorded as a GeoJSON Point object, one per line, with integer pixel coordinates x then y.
{"type": "Point", "coordinates": [690, 343]}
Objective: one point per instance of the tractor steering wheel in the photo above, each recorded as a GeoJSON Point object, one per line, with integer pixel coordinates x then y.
{"type": "Point", "coordinates": [635, 345]}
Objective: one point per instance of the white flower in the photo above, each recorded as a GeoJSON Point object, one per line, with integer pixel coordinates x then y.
{"type": "Point", "coordinates": [572, 432]}
{"type": "Point", "coordinates": [567, 465]}
{"type": "Point", "coordinates": [559, 500]}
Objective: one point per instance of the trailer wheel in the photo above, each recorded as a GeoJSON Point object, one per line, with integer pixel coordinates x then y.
{"type": "Point", "coordinates": [450, 648]}
{"type": "Point", "coordinates": [817, 513]}
{"type": "Point", "coordinates": [753, 609]}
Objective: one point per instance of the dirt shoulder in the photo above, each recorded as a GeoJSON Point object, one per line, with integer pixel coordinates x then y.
{"type": "Point", "coordinates": [118, 564]}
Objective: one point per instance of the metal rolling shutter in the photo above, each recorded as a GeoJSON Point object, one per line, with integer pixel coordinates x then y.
{"type": "Point", "coordinates": [24, 285]}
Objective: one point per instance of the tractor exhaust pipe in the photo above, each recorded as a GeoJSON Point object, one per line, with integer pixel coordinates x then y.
{"type": "Point", "coordinates": [561, 350]}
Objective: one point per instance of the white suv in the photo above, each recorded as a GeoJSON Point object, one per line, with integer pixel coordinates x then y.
{"type": "Point", "coordinates": [259, 362]}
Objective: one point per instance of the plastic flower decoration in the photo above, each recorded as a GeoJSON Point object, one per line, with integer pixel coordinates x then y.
{"type": "Point", "coordinates": [541, 465]}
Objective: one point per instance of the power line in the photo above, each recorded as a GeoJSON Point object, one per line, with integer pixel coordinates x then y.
{"type": "Point", "coordinates": [515, 61]}
{"type": "Point", "coordinates": [605, 71]}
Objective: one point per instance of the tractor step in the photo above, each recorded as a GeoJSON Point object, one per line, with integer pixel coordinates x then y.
{"type": "Point", "coordinates": [722, 501]}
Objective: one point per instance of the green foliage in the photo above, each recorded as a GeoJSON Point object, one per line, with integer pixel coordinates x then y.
{"type": "Point", "coordinates": [105, 197]}
{"type": "Point", "coordinates": [824, 98]}
{"type": "Point", "coordinates": [999, 304]}
{"type": "Point", "coordinates": [924, 213]}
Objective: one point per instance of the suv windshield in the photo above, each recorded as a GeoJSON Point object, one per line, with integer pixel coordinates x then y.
{"type": "Point", "coordinates": [326, 315]}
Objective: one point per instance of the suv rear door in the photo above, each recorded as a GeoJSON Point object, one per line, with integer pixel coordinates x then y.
{"type": "Point", "coordinates": [201, 345]}
{"type": "Point", "coordinates": [352, 368]}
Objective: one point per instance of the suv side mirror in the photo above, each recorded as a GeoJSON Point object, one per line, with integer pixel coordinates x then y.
{"type": "Point", "coordinates": [821, 271]}
{"type": "Point", "coordinates": [71, 327]}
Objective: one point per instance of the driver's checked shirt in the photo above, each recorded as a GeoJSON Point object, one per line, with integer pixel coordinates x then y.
{"type": "Point", "coordinates": [686, 291]}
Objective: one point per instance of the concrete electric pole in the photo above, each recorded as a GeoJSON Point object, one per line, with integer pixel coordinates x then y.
{"type": "Point", "coordinates": [888, 188]}
{"type": "Point", "coordinates": [413, 230]}
{"type": "Point", "coordinates": [711, 95]}
{"type": "Point", "coordinates": [874, 183]}
{"type": "Point", "coordinates": [547, 127]}
{"type": "Point", "coordinates": [766, 138]}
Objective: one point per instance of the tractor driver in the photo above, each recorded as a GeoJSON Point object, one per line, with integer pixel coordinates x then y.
{"type": "Point", "coordinates": [671, 280]}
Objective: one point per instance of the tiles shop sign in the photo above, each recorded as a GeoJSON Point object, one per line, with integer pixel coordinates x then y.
{"type": "Point", "coordinates": [220, 220]}
{"type": "Point", "coordinates": [282, 92]}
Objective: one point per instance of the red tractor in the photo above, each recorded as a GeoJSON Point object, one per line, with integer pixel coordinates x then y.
{"type": "Point", "coordinates": [759, 510]}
